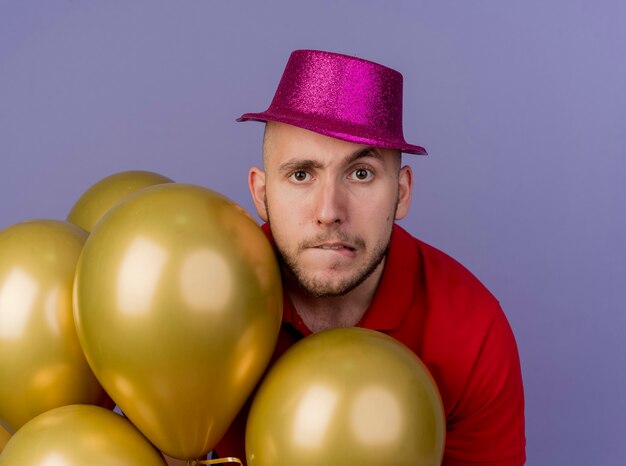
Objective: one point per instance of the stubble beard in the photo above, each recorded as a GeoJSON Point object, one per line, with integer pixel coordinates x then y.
{"type": "Point", "coordinates": [320, 288]}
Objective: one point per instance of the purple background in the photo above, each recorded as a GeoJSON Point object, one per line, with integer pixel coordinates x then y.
{"type": "Point", "coordinates": [522, 106]}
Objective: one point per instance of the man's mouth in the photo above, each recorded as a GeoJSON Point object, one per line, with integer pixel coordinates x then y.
{"type": "Point", "coordinates": [340, 243]}
{"type": "Point", "coordinates": [336, 247]}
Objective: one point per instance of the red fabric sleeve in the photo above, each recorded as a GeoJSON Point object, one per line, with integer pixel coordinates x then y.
{"type": "Point", "coordinates": [487, 426]}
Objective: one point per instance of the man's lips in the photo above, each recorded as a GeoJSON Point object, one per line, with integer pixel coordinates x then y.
{"type": "Point", "coordinates": [335, 246]}
{"type": "Point", "coordinates": [343, 249]}
{"type": "Point", "coordinates": [339, 243]}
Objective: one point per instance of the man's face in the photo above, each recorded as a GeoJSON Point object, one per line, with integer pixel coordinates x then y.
{"type": "Point", "coordinates": [330, 204]}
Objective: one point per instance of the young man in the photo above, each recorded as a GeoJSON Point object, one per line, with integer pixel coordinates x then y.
{"type": "Point", "coordinates": [330, 192]}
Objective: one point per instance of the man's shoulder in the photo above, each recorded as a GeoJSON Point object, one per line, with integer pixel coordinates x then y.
{"type": "Point", "coordinates": [458, 329]}
{"type": "Point", "coordinates": [439, 271]}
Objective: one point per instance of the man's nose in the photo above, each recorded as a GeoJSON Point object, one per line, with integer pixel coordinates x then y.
{"type": "Point", "coordinates": [331, 203]}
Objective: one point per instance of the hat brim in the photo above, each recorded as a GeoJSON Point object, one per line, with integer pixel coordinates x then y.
{"type": "Point", "coordinates": [327, 129]}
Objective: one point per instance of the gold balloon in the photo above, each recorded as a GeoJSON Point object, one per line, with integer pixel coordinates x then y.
{"type": "Point", "coordinates": [99, 198]}
{"type": "Point", "coordinates": [77, 435]}
{"type": "Point", "coordinates": [348, 396]}
{"type": "Point", "coordinates": [4, 437]}
{"type": "Point", "coordinates": [42, 365]}
{"type": "Point", "coordinates": [178, 304]}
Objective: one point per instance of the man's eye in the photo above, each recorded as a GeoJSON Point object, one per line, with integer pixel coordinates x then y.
{"type": "Point", "coordinates": [299, 175]}
{"type": "Point", "coordinates": [362, 174]}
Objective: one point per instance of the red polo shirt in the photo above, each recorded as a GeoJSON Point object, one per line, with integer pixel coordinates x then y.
{"type": "Point", "coordinates": [438, 309]}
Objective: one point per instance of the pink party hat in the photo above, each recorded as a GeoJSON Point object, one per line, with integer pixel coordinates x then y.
{"type": "Point", "coordinates": [342, 97]}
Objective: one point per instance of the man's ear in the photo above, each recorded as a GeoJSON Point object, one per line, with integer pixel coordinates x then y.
{"type": "Point", "coordinates": [405, 187]}
{"type": "Point", "coordinates": [256, 183]}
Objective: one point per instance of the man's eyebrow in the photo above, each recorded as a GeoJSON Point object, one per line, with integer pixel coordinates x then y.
{"type": "Point", "coordinates": [295, 165]}
{"type": "Point", "coordinates": [309, 164]}
{"type": "Point", "coordinates": [361, 153]}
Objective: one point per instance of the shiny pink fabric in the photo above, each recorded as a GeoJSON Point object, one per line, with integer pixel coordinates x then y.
{"type": "Point", "coordinates": [342, 97]}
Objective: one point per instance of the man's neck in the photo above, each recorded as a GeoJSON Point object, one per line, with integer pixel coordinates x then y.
{"type": "Point", "coordinates": [331, 312]}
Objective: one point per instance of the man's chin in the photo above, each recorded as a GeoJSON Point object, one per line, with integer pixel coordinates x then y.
{"type": "Point", "coordinates": [316, 291]}
{"type": "Point", "coordinates": [327, 284]}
